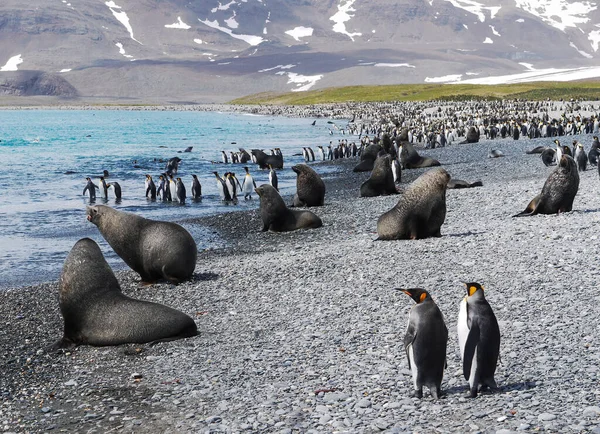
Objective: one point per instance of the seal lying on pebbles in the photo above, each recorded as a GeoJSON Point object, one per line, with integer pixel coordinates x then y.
{"type": "Point", "coordinates": [155, 249]}
{"type": "Point", "coordinates": [558, 192]}
{"type": "Point", "coordinates": [277, 217]}
{"type": "Point", "coordinates": [96, 312]}
{"type": "Point", "coordinates": [411, 159]}
{"type": "Point", "coordinates": [421, 210]}
{"type": "Point", "coordinates": [381, 181]}
{"type": "Point", "coordinates": [310, 189]}
{"type": "Point", "coordinates": [459, 183]}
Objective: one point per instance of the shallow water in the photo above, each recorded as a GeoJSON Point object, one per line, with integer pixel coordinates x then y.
{"type": "Point", "coordinates": [47, 154]}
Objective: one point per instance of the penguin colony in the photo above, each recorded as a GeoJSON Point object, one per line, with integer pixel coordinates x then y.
{"type": "Point", "coordinates": [426, 336]}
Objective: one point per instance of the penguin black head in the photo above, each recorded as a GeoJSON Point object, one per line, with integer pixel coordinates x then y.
{"type": "Point", "coordinates": [194, 176]}
{"type": "Point", "coordinates": [246, 169]}
{"type": "Point", "coordinates": [557, 142]}
{"type": "Point", "coordinates": [216, 174]}
{"type": "Point", "coordinates": [419, 295]}
{"type": "Point", "coordinates": [473, 287]}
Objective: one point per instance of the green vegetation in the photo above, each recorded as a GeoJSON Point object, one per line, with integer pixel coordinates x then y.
{"type": "Point", "coordinates": [588, 90]}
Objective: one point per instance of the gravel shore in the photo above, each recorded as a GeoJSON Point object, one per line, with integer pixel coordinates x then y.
{"type": "Point", "coordinates": [302, 331]}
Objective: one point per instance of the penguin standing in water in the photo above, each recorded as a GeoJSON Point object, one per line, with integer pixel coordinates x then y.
{"type": "Point", "coordinates": [320, 153]}
{"type": "Point", "coordinates": [581, 157]}
{"type": "Point", "coordinates": [117, 188]}
{"type": "Point", "coordinates": [248, 185]}
{"type": "Point", "coordinates": [196, 188]}
{"type": "Point", "coordinates": [172, 188]}
{"type": "Point", "coordinates": [163, 188]}
{"type": "Point", "coordinates": [230, 181]}
{"type": "Point", "coordinates": [311, 154]}
{"type": "Point", "coordinates": [478, 339]}
{"type": "Point", "coordinates": [90, 187]}
{"type": "Point", "coordinates": [181, 194]}
{"type": "Point", "coordinates": [222, 188]}
{"type": "Point", "coordinates": [425, 343]}
{"type": "Point", "coordinates": [224, 157]}
{"type": "Point", "coordinates": [273, 178]}
{"type": "Point", "coordinates": [104, 187]}
{"type": "Point", "coordinates": [150, 187]}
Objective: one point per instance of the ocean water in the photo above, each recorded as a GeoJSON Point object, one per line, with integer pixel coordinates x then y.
{"type": "Point", "coordinates": [47, 154]}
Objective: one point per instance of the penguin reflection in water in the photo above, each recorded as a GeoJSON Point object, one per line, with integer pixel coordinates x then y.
{"type": "Point", "coordinates": [478, 339]}
{"type": "Point", "coordinates": [425, 343]}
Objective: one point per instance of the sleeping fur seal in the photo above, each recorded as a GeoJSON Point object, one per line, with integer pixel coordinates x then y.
{"type": "Point", "coordinates": [96, 312]}
{"type": "Point", "coordinates": [277, 217]}
{"type": "Point", "coordinates": [411, 159]}
{"type": "Point", "coordinates": [381, 181]}
{"type": "Point", "coordinates": [421, 210]}
{"type": "Point", "coordinates": [155, 249]}
{"type": "Point", "coordinates": [558, 192]}
{"type": "Point", "coordinates": [310, 188]}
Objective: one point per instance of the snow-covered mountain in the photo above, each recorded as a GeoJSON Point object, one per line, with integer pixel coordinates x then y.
{"type": "Point", "coordinates": [175, 50]}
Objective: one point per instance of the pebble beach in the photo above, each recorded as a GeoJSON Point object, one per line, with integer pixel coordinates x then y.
{"type": "Point", "coordinates": [302, 331]}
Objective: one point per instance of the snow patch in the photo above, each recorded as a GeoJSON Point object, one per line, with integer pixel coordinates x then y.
{"type": "Point", "coordinates": [583, 53]}
{"type": "Point", "coordinates": [65, 70]}
{"type": "Point", "coordinates": [559, 13]}
{"type": "Point", "coordinates": [444, 79]}
{"type": "Point", "coordinates": [199, 41]}
{"type": "Point", "coordinates": [475, 8]}
{"type": "Point", "coordinates": [472, 73]}
{"type": "Point", "coordinates": [394, 65]}
{"type": "Point", "coordinates": [520, 20]}
{"type": "Point", "coordinates": [343, 15]}
{"type": "Point", "coordinates": [122, 17]}
{"type": "Point", "coordinates": [122, 50]}
{"type": "Point", "coordinates": [277, 67]}
{"type": "Point", "coordinates": [249, 39]}
{"type": "Point", "coordinates": [465, 26]}
{"type": "Point", "coordinates": [594, 36]}
{"type": "Point", "coordinates": [12, 64]}
{"type": "Point", "coordinates": [300, 80]}
{"type": "Point", "coordinates": [494, 31]}
{"type": "Point", "coordinates": [231, 22]}
{"type": "Point", "coordinates": [222, 7]}
{"type": "Point", "coordinates": [300, 32]}
{"type": "Point", "coordinates": [550, 74]}
{"type": "Point", "coordinates": [178, 25]}
{"type": "Point", "coordinates": [529, 66]}
{"type": "Point", "coordinates": [488, 41]}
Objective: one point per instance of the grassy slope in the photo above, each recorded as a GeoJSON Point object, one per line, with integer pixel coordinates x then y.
{"type": "Point", "coordinates": [589, 90]}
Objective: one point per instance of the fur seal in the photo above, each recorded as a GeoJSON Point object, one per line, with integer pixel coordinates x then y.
{"type": "Point", "coordinates": [310, 188]}
{"type": "Point", "coordinates": [367, 158]}
{"type": "Point", "coordinates": [558, 192]}
{"type": "Point", "coordinates": [548, 156]}
{"type": "Point", "coordinates": [277, 217]}
{"type": "Point", "coordinates": [381, 181]}
{"type": "Point", "coordinates": [263, 160]}
{"type": "Point", "coordinates": [154, 249]}
{"type": "Point", "coordinates": [96, 312]}
{"type": "Point", "coordinates": [472, 136]}
{"type": "Point", "coordinates": [411, 159]}
{"type": "Point", "coordinates": [421, 210]}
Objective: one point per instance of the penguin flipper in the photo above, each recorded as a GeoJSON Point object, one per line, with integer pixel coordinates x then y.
{"type": "Point", "coordinates": [470, 347]}
{"type": "Point", "coordinates": [409, 337]}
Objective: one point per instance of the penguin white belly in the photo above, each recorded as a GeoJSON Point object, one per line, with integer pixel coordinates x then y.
{"type": "Point", "coordinates": [462, 328]}
{"type": "Point", "coordinates": [413, 366]}
{"type": "Point", "coordinates": [473, 370]}
{"type": "Point", "coordinates": [230, 188]}
{"type": "Point", "coordinates": [248, 185]}
{"type": "Point", "coordinates": [220, 188]}
{"type": "Point", "coordinates": [395, 172]}
{"type": "Point", "coordinates": [173, 189]}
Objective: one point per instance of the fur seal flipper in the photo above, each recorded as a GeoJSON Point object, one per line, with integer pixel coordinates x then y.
{"type": "Point", "coordinates": [96, 312]}
{"type": "Point", "coordinates": [155, 249]}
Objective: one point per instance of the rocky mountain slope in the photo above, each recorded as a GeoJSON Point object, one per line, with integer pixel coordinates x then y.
{"type": "Point", "coordinates": [179, 51]}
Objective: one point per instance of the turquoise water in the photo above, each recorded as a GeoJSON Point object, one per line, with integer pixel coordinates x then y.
{"type": "Point", "coordinates": [47, 154]}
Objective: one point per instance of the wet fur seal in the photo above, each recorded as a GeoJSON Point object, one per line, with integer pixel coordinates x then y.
{"type": "Point", "coordinates": [558, 192]}
{"type": "Point", "coordinates": [310, 188]}
{"type": "Point", "coordinates": [420, 212]}
{"type": "Point", "coordinates": [411, 159]}
{"type": "Point", "coordinates": [381, 181]}
{"type": "Point", "coordinates": [263, 160]}
{"type": "Point", "coordinates": [154, 249]}
{"type": "Point", "coordinates": [96, 312]}
{"type": "Point", "coordinates": [277, 217]}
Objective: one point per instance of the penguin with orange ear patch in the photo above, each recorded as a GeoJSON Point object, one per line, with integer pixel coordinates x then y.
{"type": "Point", "coordinates": [478, 339]}
{"type": "Point", "coordinates": [425, 343]}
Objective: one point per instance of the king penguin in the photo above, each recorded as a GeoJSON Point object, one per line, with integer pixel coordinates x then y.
{"type": "Point", "coordinates": [172, 188]}
{"type": "Point", "coordinates": [90, 187]}
{"type": "Point", "coordinates": [196, 188]}
{"type": "Point", "coordinates": [150, 187]}
{"type": "Point", "coordinates": [478, 339]}
{"type": "Point", "coordinates": [104, 187]}
{"type": "Point", "coordinates": [273, 178]}
{"type": "Point", "coordinates": [425, 343]}
{"type": "Point", "coordinates": [248, 185]}
{"type": "Point", "coordinates": [223, 191]}
{"type": "Point", "coordinates": [181, 193]}
{"type": "Point", "coordinates": [116, 187]}
{"type": "Point", "coordinates": [580, 156]}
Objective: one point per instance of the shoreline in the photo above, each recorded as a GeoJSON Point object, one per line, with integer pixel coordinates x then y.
{"type": "Point", "coordinates": [303, 331]}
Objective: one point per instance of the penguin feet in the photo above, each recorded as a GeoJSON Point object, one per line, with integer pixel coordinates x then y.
{"type": "Point", "coordinates": [418, 393]}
